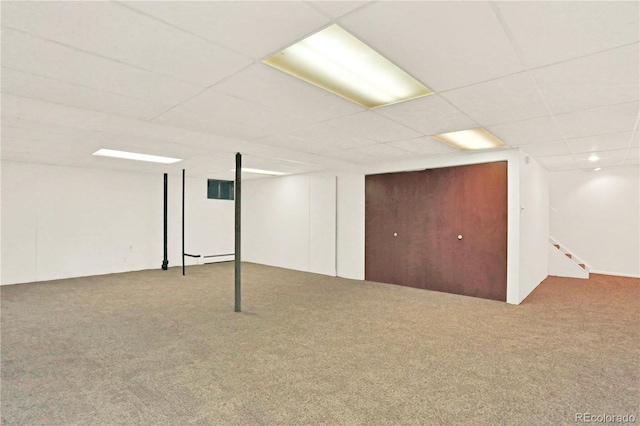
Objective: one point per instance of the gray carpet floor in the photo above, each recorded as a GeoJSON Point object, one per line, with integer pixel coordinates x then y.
{"type": "Point", "coordinates": [156, 348]}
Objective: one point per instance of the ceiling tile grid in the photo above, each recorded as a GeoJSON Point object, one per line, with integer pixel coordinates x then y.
{"type": "Point", "coordinates": [598, 80]}
{"type": "Point", "coordinates": [46, 58]}
{"type": "Point", "coordinates": [548, 32]}
{"type": "Point", "coordinates": [443, 44]}
{"type": "Point", "coordinates": [184, 79]}
{"type": "Point", "coordinates": [429, 115]}
{"type": "Point", "coordinates": [633, 157]}
{"type": "Point", "coordinates": [252, 28]}
{"type": "Point", "coordinates": [507, 99]}
{"type": "Point", "coordinates": [538, 130]}
{"type": "Point", "coordinates": [47, 89]}
{"type": "Point", "coordinates": [135, 39]}
{"type": "Point", "coordinates": [373, 126]}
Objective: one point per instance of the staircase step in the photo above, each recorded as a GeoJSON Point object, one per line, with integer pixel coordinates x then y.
{"type": "Point", "coordinates": [568, 255]}
{"type": "Point", "coordinates": [557, 246]}
{"type": "Point", "coordinates": [582, 265]}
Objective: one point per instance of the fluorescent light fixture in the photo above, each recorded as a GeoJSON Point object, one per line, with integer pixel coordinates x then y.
{"type": "Point", "coordinates": [470, 139]}
{"type": "Point", "coordinates": [593, 158]}
{"type": "Point", "coordinates": [597, 169]}
{"type": "Point", "coordinates": [135, 156]}
{"type": "Point", "coordinates": [340, 63]}
{"type": "Point", "coordinates": [260, 172]}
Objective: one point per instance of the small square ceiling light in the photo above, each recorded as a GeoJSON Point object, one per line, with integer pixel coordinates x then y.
{"type": "Point", "coordinates": [135, 156]}
{"type": "Point", "coordinates": [470, 139]}
{"type": "Point", "coordinates": [340, 63]}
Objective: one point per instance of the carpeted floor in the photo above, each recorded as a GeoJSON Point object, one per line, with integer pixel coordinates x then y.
{"type": "Point", "coordinates": [156, 348]}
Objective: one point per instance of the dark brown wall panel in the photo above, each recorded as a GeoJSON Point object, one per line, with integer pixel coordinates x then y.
{"type": "Point", "coordinates": [428, 210]}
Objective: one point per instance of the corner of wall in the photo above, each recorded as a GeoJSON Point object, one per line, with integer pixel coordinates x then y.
{"type": "Point", "coordinates": [534, 224]}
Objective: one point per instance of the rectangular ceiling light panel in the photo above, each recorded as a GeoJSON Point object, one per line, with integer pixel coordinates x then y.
{"type": "Point", "coordinates": [261, 172]}
{"type": "Point", "coordinates": [470, 139]}
{"type": "Point", "coordinates": [340, 63]}
{"type": "Point", "coordinates": [135, 156]}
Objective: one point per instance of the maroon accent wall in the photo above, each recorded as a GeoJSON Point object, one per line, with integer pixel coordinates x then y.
{"type": "Point", "coordinates": [428, 210]}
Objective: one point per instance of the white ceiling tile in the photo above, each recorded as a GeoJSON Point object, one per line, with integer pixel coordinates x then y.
{"type": "Point", "coordinates": [336, 9]}
{"type": "Point", "coordinates": [423, 146]}
{"type": "Point", "coordinates": [13, 143]}
{"type": "Point", "coordinates": [253, 28]}
{"type": "Point", "coordinates": [56, 152]}
{"type": "Point", "coordinates": [443, 44]}
{"type": "Point", "coordinates": [552, 31]}
{"type": "Point", "coordinates": [373, 126]}
{"type": "Point", "coordinates": [31, 134]}
{"type": "Point", "coordinates": [277, 90]}
{"type": "Point", "coordinates": [607, 78]}
{"type": "Point", "coordinates": [546, 149]}
{"type": "Point", "coordinates": [226, 107]}
{"type": "Point", "coordinates": [35, 110]}
{"type": "Point", "coordinates": [429, 115]}
{"type": "Point", "coordinates": [633, 156]}
{"type": "Point", "coordinates": [51, 133]}
{"type": "Point", "coordinates": [208, 124]}
{"type": "Point", "coordinates": [286, 141]}
{"type": "Point", "coordinates": [511, 98]}
{"type": "Point", "coordinates": [607, 159]}
{"type": "Point", "coordinates": [87, 141]}
{"type": "Point", "coordinates": [558, 162]}
{"type": "Point", "coordinates": [527, 132]}
{"type": "Point", "coordinates": [371, 154]}
{"type": "Point", "coordinates": [135, 39]}
{"type": "Point", "coordinates": [607, 142]}
{"type": "Point", "coordinates": [302, 157]}
{"type": "Point", "coordinates": [38, 156]}
{"type": "Point", "coordinates": [326, 138]}
{"type": "Point", "coordinates": [29, 54]}
{"type": "Point", "coordinates": [354, 157]}
{"type": "Point", "coordinates": [46, 89]}
{"type": "Point", "coordinates": [383, 152]}
{"type": "Point", "coordinates": [58, 115]}
{"type": "Point", "coordinates": [598, 121]}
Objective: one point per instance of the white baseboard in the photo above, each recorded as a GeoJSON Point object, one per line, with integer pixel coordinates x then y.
{"type": "Point", "coordinates": [617, 274]}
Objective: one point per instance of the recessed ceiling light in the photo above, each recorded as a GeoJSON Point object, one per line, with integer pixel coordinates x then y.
{"type": "Point", "coordinates": [470, 139]}
{"type": "Point", "coordinates": [135, 156]}
{"type": "Point", "coordinates": [260, 172]}
{"type": "Point", "coordinates": [597, 169]}
{"type": "Point", "coordinates": [593, 157]}
{"type": "Point", "coordinates": [340, 63]}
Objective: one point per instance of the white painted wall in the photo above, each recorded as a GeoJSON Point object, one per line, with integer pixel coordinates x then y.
{"type": "Point", "coordinates": [534, 224]}
{"type": "Point", "coordinates": [209, 224]}
{"type": "Point", "coordinates": [596, 216]}
{"type": "Point", "coordinates": [61, 222]}
{"type": "Point", "coordinates": [290, 222]}
{"type": "Point", "coordinates": [350, 226]}
{"type": "Point", "coordinates": [322, 225]}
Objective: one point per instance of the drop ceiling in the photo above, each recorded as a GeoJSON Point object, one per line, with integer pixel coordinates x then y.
{"type": "Point", "coordinates": [185, 79]}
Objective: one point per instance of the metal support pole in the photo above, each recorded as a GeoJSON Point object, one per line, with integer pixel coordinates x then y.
{"type": "Point", "coordinates": [238, 258]}
{"type": "Point", "coordinates": [182, 221]}
{"type": "Point", "coordinates": [165, 262]}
